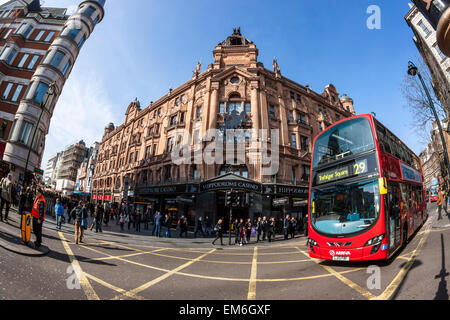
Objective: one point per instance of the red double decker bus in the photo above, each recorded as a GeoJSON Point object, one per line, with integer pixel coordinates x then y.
{"type": "Point", "coordinates": [366, 192]}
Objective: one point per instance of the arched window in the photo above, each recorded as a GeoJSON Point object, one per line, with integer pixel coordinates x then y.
{"type": "Point", "coordinates": [237, 170]}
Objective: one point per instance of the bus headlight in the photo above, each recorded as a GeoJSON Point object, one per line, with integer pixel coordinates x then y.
{"type": "Point", "coordinates": [375, 241]}
{"type": "Point", "coordinates": [312, 244]}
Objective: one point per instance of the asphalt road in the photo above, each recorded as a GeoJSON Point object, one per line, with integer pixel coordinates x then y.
{"type": "Point", "coordinates": [116, 265]}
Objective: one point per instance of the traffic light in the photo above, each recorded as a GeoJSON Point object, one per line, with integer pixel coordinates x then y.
{"type": "Point", "coordinates": [12, 167]}
{"type": "Point", "coordinates": [228, 199]}
{"type": "Point", "coordinates": [237, 202]}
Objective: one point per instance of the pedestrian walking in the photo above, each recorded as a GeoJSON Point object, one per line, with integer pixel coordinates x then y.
{"type": "Point", "coordinates": [79, 214]}
{"type": "Point", "coordinates": [138, 220]}
{"type": "Point", "coordinates": [270, 229]}
{"type": "Point", "coordinates": [204, 227]}
{"type": "Point", "coordinates": [59, 213]}
{"type": "Point", "coordinates": [198, 227]}
{"type": "Point", "coordinates": [69, 211]}
{"type": "Point", "coordinates": [130, 219]}
{"type": "Point", "coordinates": [258, 229]}
{"type": "Point", "coordinates": [183, 227]}
{"type": "Point", "coordinates": [15, 194]}
{"type": "Point", "coordinates": [122, 220]}
{"type": "Point", "coordinates": [6, 196]}
{"type": "Point", "coordinates": [219, 232]}
{"type": "Point", "coordinates": [158, 221]}
{"type": "Point", "coordinates": [146, 217]}
{"type": "Point", "coordinates": [106, 214]}
{"type": "Point", "coordinates": [98, 218]}
{"type": "Point", "coordinates": [237, 233]}
{"type": "Point", "coordinates": [286, 223]}
{"type": "Point", "coordinates": [445, 200]}
{"type": "Point", "coordinates": [439, 203]}
{"type": "Point", "coordinates": [26, 197]}
{"type": "Point", "coordinates": [208, 226]}
{"type": "Point", "coordinates": [293, 227]}
{"type": "Point", "coordinates": [249, 229]}
{"type": "Point", "coordinates": [38, 213]}
{"type": "Point", "coordinates": [265, 228]}
{"type": "Point", "coordinates": [242, 232]}
{"type": "Point", "coordinates": [168, 224]}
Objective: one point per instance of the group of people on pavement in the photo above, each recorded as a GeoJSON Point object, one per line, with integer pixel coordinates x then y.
{"type": "Point", "coordinates": [31, 198]}
{"type": "Point", "coordinates": [28, 198]}
{"type": "Point", "coordinates": [263, 228]}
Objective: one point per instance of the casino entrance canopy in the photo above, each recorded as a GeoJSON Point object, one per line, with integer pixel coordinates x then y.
{"type": "Point", "coordinates": [229, 182]}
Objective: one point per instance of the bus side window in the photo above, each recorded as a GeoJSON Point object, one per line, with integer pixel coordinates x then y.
{"type": "Point", "coordinates": [404, 192]}
{"type": "Point", "coordinates": [394, 202]}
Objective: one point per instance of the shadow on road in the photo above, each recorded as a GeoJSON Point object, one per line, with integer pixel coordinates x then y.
{"type": "Point", "coordinates": [416, 264]}
{"type": "Point", "coordinates": [442, 293]}
{"type": "Point", "coordinates": [10, 238]}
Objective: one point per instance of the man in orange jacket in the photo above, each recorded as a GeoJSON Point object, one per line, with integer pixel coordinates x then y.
{"type": "Point", "coordinates": [38, 213]}
{"type": "Point", "coordinates": [440, 201]}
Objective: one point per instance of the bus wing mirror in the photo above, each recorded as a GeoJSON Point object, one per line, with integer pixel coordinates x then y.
{"type": "Point", "coordinates": [383, 186]}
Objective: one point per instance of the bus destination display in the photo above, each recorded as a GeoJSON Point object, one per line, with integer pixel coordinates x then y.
{"type": "Point", "coordinates": [358, 168]}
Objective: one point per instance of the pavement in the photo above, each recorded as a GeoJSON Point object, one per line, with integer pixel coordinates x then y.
{"type": "Point", "coordinates": [11, 239]}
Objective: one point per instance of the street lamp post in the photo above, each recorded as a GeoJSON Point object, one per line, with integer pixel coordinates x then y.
{"type": "Point", "coordinates": [413, 71]}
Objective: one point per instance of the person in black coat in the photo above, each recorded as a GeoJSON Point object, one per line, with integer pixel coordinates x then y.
{"type": "Point", "coordinates": [293, 227]}
{"type": "Point", "coordinates": [198, 227]}
{"type": "Point", "coordinates": [249, 228]}
{"type": "Point", "coordinates": [98, 218]}
{"type": "Point", "coordinates": [237, 233]}
{"type": "Point", "coordinates": [265, 228]}
{"type": "Point", "coordinates": [286, 230]}
{"type": "Point", "coordinates": [137, 218]}
{"type": "Point", "coordinates": [270, 229]}
{"type": "Point", "coordinates": [258, 229]}
{"type": "Point", "coordinates": [168, 224]}
{"type": "Point", "coordinates": [219, 231]}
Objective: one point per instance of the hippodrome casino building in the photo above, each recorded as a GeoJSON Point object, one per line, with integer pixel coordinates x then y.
{"type": "Point", "coordinates": [134, 162]}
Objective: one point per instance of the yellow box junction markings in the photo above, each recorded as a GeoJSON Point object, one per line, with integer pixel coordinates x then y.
{"type": "Point", "coordinates": [84, 282]}
{"type": "Point", "coordinates": [252, 282]}
{"type": "Point", "coordinates": [343, 279]}
{"type": "Point", "coordinates": [112, 287]}
{"type": "Point", "coordinates": [147, 285]}
{"type": "Point", "coordinates": [393, 286]}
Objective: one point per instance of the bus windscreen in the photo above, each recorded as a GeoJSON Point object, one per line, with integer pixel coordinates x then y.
{"type": "Point", "coordinates": [346, 209]}
{"type": "Point", "coordinates": [346, 139]}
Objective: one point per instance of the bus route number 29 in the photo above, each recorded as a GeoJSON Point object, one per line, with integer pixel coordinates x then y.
{"type": "Point", "coordinates": [360, 167]}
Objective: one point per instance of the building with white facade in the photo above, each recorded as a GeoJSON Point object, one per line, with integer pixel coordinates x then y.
{"type": "Point", "coordinates": [39, 47]}
{"type": "Point", "coordinates": [51, 170]}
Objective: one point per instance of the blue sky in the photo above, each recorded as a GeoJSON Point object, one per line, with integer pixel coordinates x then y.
{"type": "Point", "coordinates": [143, 47]}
